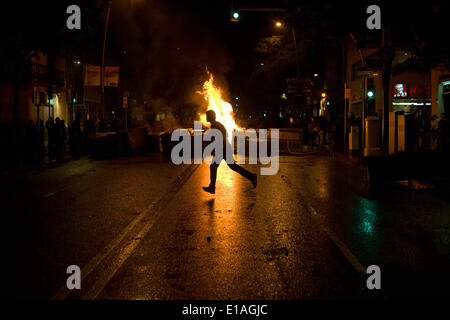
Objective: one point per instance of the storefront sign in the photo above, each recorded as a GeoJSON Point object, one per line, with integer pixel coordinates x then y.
{"type": "Point", "coordinates": [92, 76]}
{"type": "Point", "coordinates": [401, 90]}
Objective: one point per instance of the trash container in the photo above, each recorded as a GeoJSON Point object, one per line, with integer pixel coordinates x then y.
{"type": "Point", "coordinates": [372, 137]}
{"type": "Point", "coordinates": [125, 149]}
{"type": "Point", "coordinates": [138, 140]}
{"type": "Point", "coordinates": [166, 143]}
{"type": "Point", "coordinates": [112, 144]}
{"type": "Point", "coordinates": [153, 143]}
{"type": "Point", "coordinates": [99, 147]}
{"type": "Point", "coordinates": [353, 138]}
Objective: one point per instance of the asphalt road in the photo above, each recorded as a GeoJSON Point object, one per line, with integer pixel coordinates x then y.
{"type": "Point", "coordinates": [142, 228]}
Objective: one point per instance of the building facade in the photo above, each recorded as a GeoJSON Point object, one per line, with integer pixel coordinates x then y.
{"type": "Point", "coordinates": [34, 91]}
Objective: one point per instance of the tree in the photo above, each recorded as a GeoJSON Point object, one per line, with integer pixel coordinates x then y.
{"type": "Point", "coordinates": [315, 30]}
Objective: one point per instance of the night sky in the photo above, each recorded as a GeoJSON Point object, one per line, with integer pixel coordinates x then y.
{"type": "Point", "coordinates": [163, 47]}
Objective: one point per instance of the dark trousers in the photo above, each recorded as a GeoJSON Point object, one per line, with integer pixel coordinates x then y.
{"type": "Point", "coordinates": [233, 166]}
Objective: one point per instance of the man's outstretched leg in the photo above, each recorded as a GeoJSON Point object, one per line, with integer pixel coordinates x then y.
{"type": "Point", "coordinates": [245, 173]}
{"type": "Point", "coordinates": [213, 176]}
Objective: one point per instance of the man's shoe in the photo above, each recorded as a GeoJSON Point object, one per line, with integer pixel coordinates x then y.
{"type": "Point", "coordinates": [255, 180]}
{"type": "Point", "coordinates": [210, 189]}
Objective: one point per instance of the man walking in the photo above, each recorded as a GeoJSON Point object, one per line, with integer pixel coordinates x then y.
{"type": "Point", "coordinates": [443, 134]}
{"type": "Point", "coordinates": [211, 117]}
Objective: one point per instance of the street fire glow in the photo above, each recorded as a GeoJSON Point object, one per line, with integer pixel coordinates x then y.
{"type": "Point", "coordinates": [223, 110]}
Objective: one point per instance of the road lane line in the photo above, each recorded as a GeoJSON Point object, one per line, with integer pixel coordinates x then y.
{"type": "Point", "coordinates": [330, 233]}
{"type": "Point", "coordinates": [121, 257]}
{"type": "Point", "coordinates": [336, 240]}
{"type": "Point", "coordinates": [344, 249]}
{"type": "Point", "coordinates": [49, 194]}
{"type": "Point", "coordinates": [125, 252]}
{"type": "Point", "coordinates": [94, 262]}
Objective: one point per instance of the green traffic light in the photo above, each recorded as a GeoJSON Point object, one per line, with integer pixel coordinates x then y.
{"type": "Point", "coordinates": [370, 94]}
{"type": "Point", "coordinates": [236, 15]}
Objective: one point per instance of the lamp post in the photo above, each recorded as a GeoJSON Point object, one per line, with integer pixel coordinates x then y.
{"type": "Point", "coordinates": [278, 24]}
{"type": "Point", "coordinates": [102, 72]}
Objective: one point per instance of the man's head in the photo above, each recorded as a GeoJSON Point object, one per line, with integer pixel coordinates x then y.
{"type": "Point", "coordinates": [210, 116]}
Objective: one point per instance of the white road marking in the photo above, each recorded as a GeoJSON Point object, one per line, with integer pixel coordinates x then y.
{"type": "Point", "coordinates": [126, 250]}
{"type": "Point", "coordinates": [55, 192]}
{"type": "Point", "coordinates": [49, 194]}
{"type": "Point", "coordinates": [332, 235]}
{"type": "Point", "coordinates": [344, 249]}
{"type": "Point", "coordinates": [337, 241]}
{"type": "Point", "coordinates": [63, 292]}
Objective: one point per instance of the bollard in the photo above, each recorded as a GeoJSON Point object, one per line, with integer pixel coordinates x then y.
{"type": "Point", "coordinates": [353, 138]}
{"type": "Point", "coordinates": [372, 137]}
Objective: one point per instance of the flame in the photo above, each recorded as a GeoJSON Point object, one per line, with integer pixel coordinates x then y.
{"type": "Point", "coordinates": [223, 110]}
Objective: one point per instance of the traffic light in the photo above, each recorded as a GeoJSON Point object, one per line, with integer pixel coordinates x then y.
{"type": "Point", "coordinates": [235, 16]}
{"type": "Point", "coordinates": [370, 90]}
{"type": "Point", "coordinates": [370, 96]}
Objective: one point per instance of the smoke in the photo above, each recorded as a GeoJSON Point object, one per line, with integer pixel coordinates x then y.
{"type": "Point", "coordinates": [164, 54]}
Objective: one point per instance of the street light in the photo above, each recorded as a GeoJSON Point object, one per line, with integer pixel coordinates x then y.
{"type": "Point", "coordinates": [278, 24]}
{"type": "Point", "coordinates": [102, 71]}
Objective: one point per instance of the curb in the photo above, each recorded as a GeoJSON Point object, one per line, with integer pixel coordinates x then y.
{"type": "Point", "coordinates": [358, 162]}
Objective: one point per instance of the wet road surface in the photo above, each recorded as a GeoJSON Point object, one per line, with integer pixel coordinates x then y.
{"type": "Point", "coordinates": [142, 228]}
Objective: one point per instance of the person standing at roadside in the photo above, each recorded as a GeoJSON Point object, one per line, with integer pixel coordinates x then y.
{"type": "Point", "coordinates": [443, 134]}
{"type": "Point", "coordinates": [50, 125]}
{"type": "Point", "coordinates": [313, 132]}
{"type": "Point", "coordinates": [75, 138]}
{"type": "Point", "coordinates": [331, 134]}
{"type": "Point", "coordinates": [434, 132]}
{"type": "Point", "coordinates": [59, 143]}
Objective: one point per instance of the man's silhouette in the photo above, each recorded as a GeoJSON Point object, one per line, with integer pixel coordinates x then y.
{"type": "Point", "coordinates": [211, 117]}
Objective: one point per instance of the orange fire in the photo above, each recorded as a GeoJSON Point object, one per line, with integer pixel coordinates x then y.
{"type": "Point", "coordinates": [223, 110]}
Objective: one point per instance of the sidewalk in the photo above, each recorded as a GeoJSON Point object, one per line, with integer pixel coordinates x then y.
{"type": "Point", "coordinates": [352, 158]}
{"type": "Point", "coordinates": [35, 166]}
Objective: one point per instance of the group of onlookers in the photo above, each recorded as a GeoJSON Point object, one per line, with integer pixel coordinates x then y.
{"type": "Point", "coordinates": [56, 138]}
{"type": "Point", "coordinates": [318, 132]}
{"type": "Point", "coordinates": [27, 143]}
{"type": "Point", "coordinates": [432, 133]}
{"type": "Point", "coordinates": [423, 132]}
